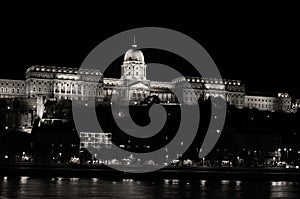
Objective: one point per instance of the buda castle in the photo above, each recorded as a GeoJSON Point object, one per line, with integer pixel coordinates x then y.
{"type": "Point", "coordinates": [52, 82]}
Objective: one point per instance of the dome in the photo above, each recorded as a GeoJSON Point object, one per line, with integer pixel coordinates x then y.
{"type": "Point", "coordinates": [134, 55]}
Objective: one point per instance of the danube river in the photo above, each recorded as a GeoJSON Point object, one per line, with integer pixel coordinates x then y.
{"type": "Point", "coordinates": [44, 187]}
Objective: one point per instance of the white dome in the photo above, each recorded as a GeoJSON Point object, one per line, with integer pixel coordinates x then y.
{"type": "Point", "coordinates": [134, 55]}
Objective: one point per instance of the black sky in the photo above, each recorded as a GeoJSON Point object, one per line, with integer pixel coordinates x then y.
{"type": "Point", "coordinates": [261, 49]}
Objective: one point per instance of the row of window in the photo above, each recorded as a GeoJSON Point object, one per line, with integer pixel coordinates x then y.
{"type": "Point", "coordinates": [136, 68]}
{"type": "Point", "coordinates": [236, 102]}
{"type": "Point", "coordinates": [264, 106]}
{"type": "Point", "coordinates": [67, 70]}
{"type": "Point", "coordinates": [262, 100]}
{"type": "Point", "coordinates": [12, 90]}
{"type": "Point", "coordinates": [65, 91]}
{"type": "Point", "coordinates": [214, 81]}
{"type": "Point", "coordinates": [63, 84]}
{"type": "Point", "coordinates": [13, 84]}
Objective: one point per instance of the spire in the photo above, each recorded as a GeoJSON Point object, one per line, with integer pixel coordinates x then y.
{"type": "Point", "coordinates": [134, 45]}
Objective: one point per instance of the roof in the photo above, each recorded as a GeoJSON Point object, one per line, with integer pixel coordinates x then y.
{"type": "Point", "coordinates": [66, 70]}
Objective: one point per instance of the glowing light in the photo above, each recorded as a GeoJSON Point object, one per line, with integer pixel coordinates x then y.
{"type": "Point", "coordinates": [225, 182]}
{"type": "Point", "coordinates": [23, 179]}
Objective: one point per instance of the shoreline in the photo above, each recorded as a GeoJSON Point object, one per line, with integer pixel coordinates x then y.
{"type": "Point", "coordinates": [184, 173]}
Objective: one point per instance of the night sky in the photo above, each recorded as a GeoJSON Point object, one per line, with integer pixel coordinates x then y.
{"type": "Point", "coordinates": [261, 50]}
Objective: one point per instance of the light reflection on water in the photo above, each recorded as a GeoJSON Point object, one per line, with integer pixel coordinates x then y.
{"type": "Point", "coordinates": [38, 187]}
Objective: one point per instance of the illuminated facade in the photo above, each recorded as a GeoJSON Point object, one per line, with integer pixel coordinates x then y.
{"type": "Point", "coordinates": [193, 88]}
{"type": "Point", "coordinates": [95, 140]}
{"type": "Point", "coordinates": [280, 103]}
{"type": "Point", "coordinates": [44, 82]}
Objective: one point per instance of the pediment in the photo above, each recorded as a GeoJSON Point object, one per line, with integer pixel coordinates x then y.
{"type": "Point", "coordinates": [139, 85]}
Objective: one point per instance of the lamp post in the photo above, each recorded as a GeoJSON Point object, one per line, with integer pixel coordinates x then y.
{"type": "Point", "coordinates": [287, 152]}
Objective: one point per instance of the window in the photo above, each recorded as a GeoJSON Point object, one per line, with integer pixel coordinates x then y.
{"type": "Point", "coordinates": [137, 73]}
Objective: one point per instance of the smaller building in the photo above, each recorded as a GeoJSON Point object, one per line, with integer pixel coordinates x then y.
{"type": "Point", "coordinates": [12, 88]}
{"type": "Point", "coordinates": [268, 102]}
{"type": "Point", "coordinates": [91, 140]}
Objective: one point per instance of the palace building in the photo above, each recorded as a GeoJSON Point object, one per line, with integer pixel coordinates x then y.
{"type": "Point", "coordinates": [45, 82]}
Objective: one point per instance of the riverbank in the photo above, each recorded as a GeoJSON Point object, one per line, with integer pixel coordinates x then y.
{"type": "Point", "coordinates": [165, 173]}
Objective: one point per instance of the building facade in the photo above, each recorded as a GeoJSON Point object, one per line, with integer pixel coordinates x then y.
{"type": "Point", "coordinates": [44, 82]}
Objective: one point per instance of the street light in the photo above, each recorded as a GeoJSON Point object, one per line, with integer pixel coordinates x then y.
{"type": "Point", "coordinates": [287, 152]}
